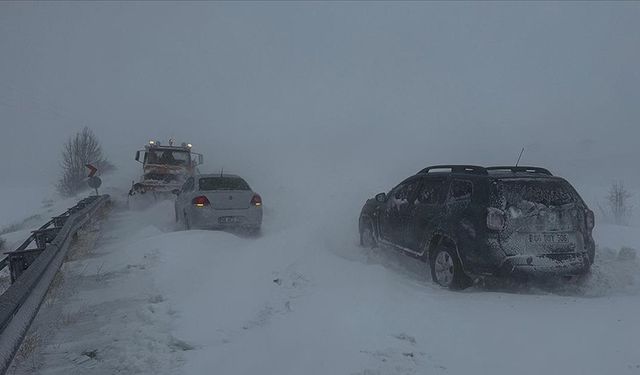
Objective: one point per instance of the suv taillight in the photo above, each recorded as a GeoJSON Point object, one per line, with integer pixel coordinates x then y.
{"type": "Point", "coordinates": [256, 200]}
{"type": "Point", "coordinates": [495, 219]}
{"type": "Point", "coordinates": [589, 219]}
{"type": "Point", "coordinates": [200, 201]}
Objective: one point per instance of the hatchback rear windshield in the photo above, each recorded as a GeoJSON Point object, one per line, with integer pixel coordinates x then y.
{"type": "Point", "coordinates": [223, 183]}
{"type": "Point", "coordinates": [546, 192]}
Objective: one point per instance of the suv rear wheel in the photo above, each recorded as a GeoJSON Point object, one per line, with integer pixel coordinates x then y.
{"type": "Point", "coordinates": [446, 269]}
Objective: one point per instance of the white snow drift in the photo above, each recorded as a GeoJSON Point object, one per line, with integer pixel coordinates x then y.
{"type": "Point", "coordinates": [305, 299]}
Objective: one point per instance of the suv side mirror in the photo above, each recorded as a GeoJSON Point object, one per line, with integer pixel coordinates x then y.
{"type": "Point", "coordinates": [381, 198]}
{"type": "Point", "coordinates": [137, 155]}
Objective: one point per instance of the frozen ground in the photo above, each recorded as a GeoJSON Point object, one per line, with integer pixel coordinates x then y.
{"type": "Point", "coordinates": [305, 299]}
{"type": "Point", "coordinates": [23, 210]}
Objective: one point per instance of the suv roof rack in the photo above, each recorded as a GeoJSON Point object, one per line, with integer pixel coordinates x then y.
{"type": "Point", "coordinates": [470, 169]}
{"type": "Point", "coordinates": [519, 169]}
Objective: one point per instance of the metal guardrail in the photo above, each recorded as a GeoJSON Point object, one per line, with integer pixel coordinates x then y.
{"type": "Point", "coordinates": [33, 270]}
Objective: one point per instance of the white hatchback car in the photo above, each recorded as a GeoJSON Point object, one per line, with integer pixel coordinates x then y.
{"type": "Point", "coordinates": [218, 201]}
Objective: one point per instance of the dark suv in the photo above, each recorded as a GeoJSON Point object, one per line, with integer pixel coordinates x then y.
{"type": "Point", "coordinates": [469, 221]}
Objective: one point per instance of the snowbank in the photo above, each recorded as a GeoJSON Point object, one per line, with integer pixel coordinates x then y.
{"type": "Point", "coordinates": [304, 298]}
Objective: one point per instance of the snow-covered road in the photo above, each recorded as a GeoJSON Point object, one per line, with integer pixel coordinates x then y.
{"type": "Point", "coordinates": [305, 299]}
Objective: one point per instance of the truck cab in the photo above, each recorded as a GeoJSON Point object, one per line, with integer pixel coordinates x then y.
{"type": "Point", "coordinates": [165, 167]}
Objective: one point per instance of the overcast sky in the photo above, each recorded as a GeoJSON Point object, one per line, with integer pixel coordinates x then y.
{"type": "Point", "coordinates": [290, 89]}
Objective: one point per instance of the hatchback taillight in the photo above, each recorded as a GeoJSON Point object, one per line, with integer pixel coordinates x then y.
{"type": "Point", "coordinates": [200, 201]}
{"type": "Point", "coordinates": [589, 219]}
{"type": "Point", "coordinates": [256, 200]}
{"type": "Point", "coordinates": [495, 219]}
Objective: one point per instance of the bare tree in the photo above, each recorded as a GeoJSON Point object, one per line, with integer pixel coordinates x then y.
{"type": "Point", "coordinates": [619, 205]}
{"type": "Point", "coordinates": [81, 149]}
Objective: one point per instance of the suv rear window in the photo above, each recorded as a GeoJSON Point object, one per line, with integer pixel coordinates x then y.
{"type": "Point", "coordinates": [542, 191]}
{"type": "Point", "coordinates": [431, 191]}
{"type": "Point", "coordinates": [461, 189]}
{"type": "Point", "coordinates": [223, 183]}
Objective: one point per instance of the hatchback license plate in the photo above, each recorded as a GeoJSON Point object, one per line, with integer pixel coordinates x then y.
{"type": "Point", "coordinates": [229, 220]}
{"type": "Point", "coordinates": [549, 238]}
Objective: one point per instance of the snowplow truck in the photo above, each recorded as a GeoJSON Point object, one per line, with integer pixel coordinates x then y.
{"type": "Point", "coordinates": [164, 169]}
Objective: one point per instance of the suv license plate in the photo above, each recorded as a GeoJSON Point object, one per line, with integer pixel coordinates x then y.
{"type": "Point", "coordinates": [549, 238]}
{"type": "Point", "coordinates": [229, 220]}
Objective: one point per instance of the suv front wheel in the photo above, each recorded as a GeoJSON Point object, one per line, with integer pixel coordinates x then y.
{"type": "Point", "coordinates": [367, 237]}
{"type": "Point", "coordinates": [446, 269]}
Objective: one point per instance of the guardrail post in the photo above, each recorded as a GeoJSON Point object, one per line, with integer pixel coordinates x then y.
{"type": "Point", "coordinates": [19, 261]}
{"type": "Point", "coordinates": [45, 236]}
{"type": "Point", "coordinates": [58, 221]}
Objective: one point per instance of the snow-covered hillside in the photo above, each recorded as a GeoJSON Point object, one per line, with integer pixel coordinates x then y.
{"type": "Point", "coordinates": [304, 298]}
